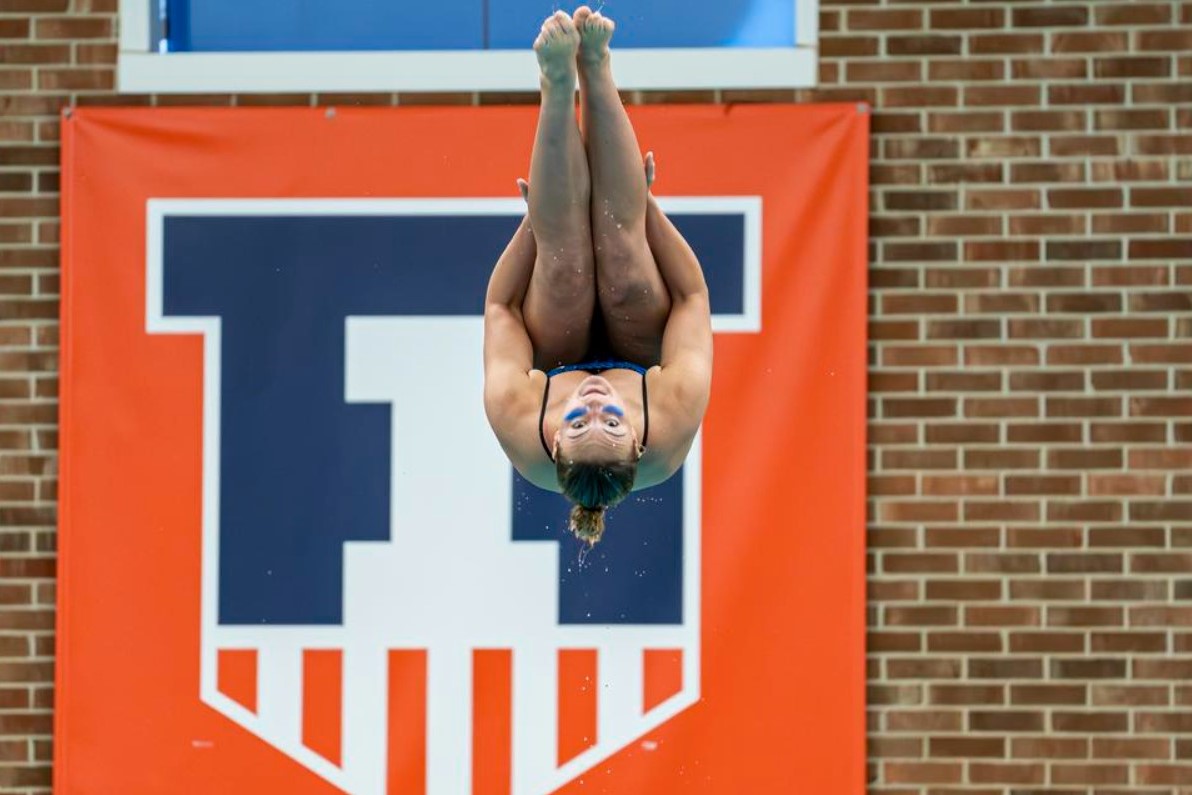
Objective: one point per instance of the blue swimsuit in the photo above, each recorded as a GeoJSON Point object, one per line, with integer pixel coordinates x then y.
{"type": "Point", "coordinates": [595, 367]}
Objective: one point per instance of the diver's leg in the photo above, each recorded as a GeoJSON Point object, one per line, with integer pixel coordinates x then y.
{"type": "Point", "coordinates": [633, 297]}
{"type": "Point", "coordinates": [562, 294]}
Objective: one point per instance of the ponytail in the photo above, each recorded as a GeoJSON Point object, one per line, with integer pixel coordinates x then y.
{"type": "Point", "coordinates": [587, 523]}
{"type": "Point", "coordinates": [593, 488]}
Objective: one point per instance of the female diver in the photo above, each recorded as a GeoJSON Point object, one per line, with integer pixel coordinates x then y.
{"type": "Point", "coordinates": [597, 332]}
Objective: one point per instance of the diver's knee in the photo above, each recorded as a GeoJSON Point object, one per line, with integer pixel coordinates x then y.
{"type": "Point", "coordinates": [565, 271]}
{"type": "Point", "coordinates": [619, 253]}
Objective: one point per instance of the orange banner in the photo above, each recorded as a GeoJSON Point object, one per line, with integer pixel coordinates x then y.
{"type": "Point", "coordinates": [268, 585]}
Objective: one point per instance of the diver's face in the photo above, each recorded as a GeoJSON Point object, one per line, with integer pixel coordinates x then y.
{"type": "Point", "coordinates": [594, 426]}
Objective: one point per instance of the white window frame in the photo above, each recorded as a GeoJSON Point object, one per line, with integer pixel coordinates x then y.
{"type": "Point", "coordinates": [141, 69]}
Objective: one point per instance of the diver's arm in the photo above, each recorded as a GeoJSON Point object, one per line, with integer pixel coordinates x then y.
{"type": "Point", "coordinates": [511, 275]}
{"type": "Point", "coordinates": [507, 347]}
{"type": "Point", "coordinates": [689, 328]}
{"type": "Point", "coordinates": [676, 261]}
{"type": "Point", "coordinates": [687, 339]}
{"type": "Point", "coordinates": [512, 388]}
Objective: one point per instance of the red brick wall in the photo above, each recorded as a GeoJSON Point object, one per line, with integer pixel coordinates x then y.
{"type": "Point", "coordinates": [1031, 380]}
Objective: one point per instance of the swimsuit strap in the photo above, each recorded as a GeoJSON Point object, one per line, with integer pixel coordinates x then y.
{"type": "Point", "coordinates": [598, 366]}
{"type": "Point", "coordinates": [542, 419]}
{"type": "Point", "coordinates": [645, 413]}
{"type": "Point", "coordinates": [570, 367]}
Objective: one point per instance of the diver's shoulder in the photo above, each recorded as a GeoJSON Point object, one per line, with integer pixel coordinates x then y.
{"type": "Point", "coordinates": [656, 468]}
{"type": "Point", "coordinates": [509, 400]}
{"type": "Point", "coordinates": [685, 385]}
{"type": "Point", "coordinates": [540, 473]}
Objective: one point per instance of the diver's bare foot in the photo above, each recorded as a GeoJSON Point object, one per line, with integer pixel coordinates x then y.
{"type": "Point", "coordinates": [595, 30]}
{"type": "Point", "coordinates": [555, 47]}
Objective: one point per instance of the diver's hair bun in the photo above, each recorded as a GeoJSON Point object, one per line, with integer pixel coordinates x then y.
{"type": "Point", "coordinates": [592, 488]}
{"type": "Point", "coordinates": [587, 523]}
